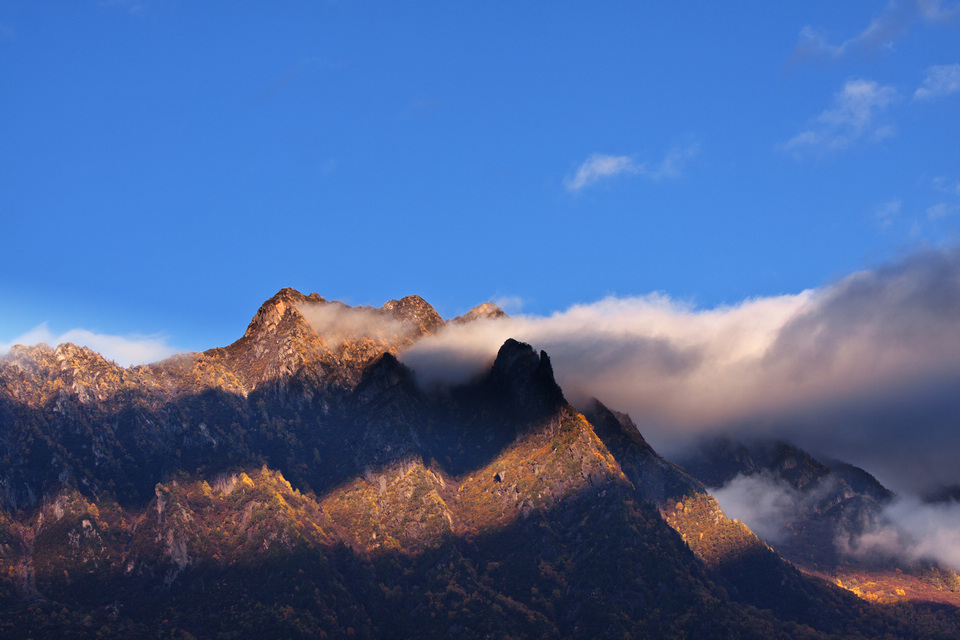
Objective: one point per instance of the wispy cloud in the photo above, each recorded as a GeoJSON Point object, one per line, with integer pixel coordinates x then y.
{"type": "Point", "coordinates": [852, 116]}
{"type": "Point", "coordinates": [674, 162]}
{"type": "Point", "coordinates": [912, 529]}
{"type": "Point", "coordinates": [889, 25]}
{"type": "Point", "coordinates": [942, 210]}
{"type": "Point", "coordinates": [598, 167]}
{"type": "Point", "coordinates": [886, 213]}
{"type": "Point", "coordinates": [601, 167]}
{"type": "Point", "coordinates": [510, 304]}
{"type": "Point", "coordinates": [124, 350]}
{"type": "Point", "coordinates": [935, 11]}
{"type": "Point", "coordinates": [944, 185]}
{"type": "Point", "coordinates": [941, 80]}
{"type": "Point", "coordinates": [907, 528]}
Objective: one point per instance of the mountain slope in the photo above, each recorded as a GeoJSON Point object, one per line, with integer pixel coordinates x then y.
{"type": "Point", "coordinates": [823, 509]}
{"type": "Point", "coordinates": [298, 483]}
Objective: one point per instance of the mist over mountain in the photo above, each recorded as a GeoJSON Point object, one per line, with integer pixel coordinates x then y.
{"type": "Point", "coordinates": [333, 473]}
{"type": "Point", "coordinates": [866, 369]}
{"type": "Point", "coordinates": [828, 515]}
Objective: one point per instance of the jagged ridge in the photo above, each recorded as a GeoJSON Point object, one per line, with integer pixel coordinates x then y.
{"type": "Point", "coordinates": [494, 508]}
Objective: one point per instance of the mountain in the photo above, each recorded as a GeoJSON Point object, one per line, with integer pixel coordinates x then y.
{"type": "Point", "coordinates": [822, 512]}
{"type": "Point", "coordinates": [299, 483]}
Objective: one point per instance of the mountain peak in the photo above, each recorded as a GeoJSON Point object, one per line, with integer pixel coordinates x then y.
{"type": "Point", "coordinates": [487, 310]}
{"type": "Point", "coordinates": [277, 341]}
{"type": "Point", "coordinates": [526, 376]}
{"type": "Point", "coordinates": [273, 311]}
{"type": "Point", "coordinates": [415, 312]}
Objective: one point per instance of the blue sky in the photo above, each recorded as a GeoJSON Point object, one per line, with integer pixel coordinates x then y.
{"type": "Point", "coordinates": [167, 166]}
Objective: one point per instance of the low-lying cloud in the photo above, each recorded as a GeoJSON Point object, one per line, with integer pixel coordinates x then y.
{"type": "Point", "coordinates": [337, 323]}
{"type": "Point", "coordinates": [907, 529]}
{"type": "Point", "coordinates": [867, 368]}
{"type": "Point", "coordinates": [763, 503]}
{"type": "Point", "coordinates": [124, 350]}
{"type": "Point", "coordinates": [912, 529]}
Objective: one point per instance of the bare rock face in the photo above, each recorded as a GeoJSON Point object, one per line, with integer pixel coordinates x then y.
{"type": "Point", "coordinates": [299, 481]}
{"type": "Point", "coordinates": [417, 312]}
{"type": "Point", "coordinates": [270, 318]}
{"type": "Point", "coordinates": [277, 342]}
{"type": "Point", "coordinates": [330, 343]}
{"type": "Point", "coordinates": [525, 376]}
{"type": "Point", "coordinates": [485, 311]}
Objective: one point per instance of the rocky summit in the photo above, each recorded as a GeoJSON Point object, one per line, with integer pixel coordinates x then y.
{"type": "Point", "coordinates": [298, 483]}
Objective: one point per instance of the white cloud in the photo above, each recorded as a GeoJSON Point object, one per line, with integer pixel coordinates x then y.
{"type": "Point", "coordinates": [887, 212]}
{"type": "Point", "coordinates": [673, 163]}
{"type": "Point", "coordinates": [880, 33]}
{"type": "Point", "coordinates": [336, 323]}
{"type": "Point", "coordinates": [906, 528]}
{"type": "Point", "coordinates": [893, 22]}
{"type": "Point", "coordinates": [934, 11]}
{"type": "Point", "coordinates": [911, 529]}
{"type": "Point", "coordinates": [124, 350]}
{"type": "Point", "coordinates": [941, 80]}
{"type": "Point", "coordinates": [762, 502]}
{"type": "Point", "coordinates": [600, 166]}
{"type": "Point", "coordinates": [944, 185]}
{"type": "Point", "coordinates": [941, 210]}
{"type": "Point", "coordinates": [851, 117]}
{"type": "Point", "coordinates": [510, 304]}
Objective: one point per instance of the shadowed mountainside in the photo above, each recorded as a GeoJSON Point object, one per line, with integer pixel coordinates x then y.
{"type": "Point", "coordinates": [298, 483]}
{"type": "Point", "coordinates": [826, 508]}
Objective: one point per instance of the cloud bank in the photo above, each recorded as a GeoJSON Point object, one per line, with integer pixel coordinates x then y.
{"type": "Point", "coordinates": [124, 350]}
{"type": "Point", "coordinates": [867, 368]}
